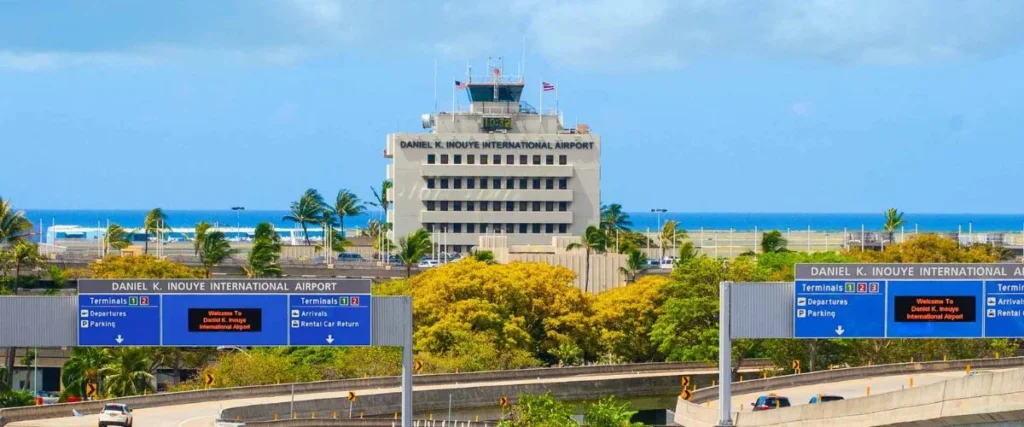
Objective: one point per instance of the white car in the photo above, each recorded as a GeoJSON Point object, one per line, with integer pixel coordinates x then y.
{"type": "Point", "coordinates": [225, 423]}
{"type": "Point", "coordinates": [428, 263]}
{"type": "Point", "coordinates": [116, 414]}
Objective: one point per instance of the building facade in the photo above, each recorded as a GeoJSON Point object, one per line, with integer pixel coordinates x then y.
{"type": "Point", "coordinates": [500, 168]}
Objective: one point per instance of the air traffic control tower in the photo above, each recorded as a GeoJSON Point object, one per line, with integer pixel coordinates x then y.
{"type": "Point", "coordinates": [502, 167]}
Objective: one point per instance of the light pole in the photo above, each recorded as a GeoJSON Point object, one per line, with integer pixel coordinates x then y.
{"type": "Point", "coordinates": [238, 220]}
{"type": "Point", "coordinates": [659, 211]}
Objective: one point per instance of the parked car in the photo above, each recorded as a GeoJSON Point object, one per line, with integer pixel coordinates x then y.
{"type": "Point", "coordinates": [428, 263]}
{"type": "Point", "coordinates": [226, 423]}
{"type": "Point", "coordinates": [116, 414]}
{"type": "Point", "coordinates": [822, 398]}
{"type": "Point", "coordinates": [770, 401]}
{"type": "Point", "coordinates": [346, 256]}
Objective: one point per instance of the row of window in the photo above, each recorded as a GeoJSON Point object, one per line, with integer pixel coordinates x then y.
{"type": "Point", "coordinates": [483, 228]}
{"type": "Point", "coordinates": [497, 206]}
{"type": "Point", "coordinates": [496, 183]}
{"type": "Point", "coordinates": [510, 159]}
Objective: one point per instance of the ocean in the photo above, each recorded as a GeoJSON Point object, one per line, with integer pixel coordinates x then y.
{"type": "Point", "coordinates": [641, 220]}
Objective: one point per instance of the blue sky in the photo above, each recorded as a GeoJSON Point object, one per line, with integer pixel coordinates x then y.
{"type": "Point", "coordinates": [734, 105]}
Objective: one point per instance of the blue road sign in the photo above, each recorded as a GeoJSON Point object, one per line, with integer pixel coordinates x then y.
{"type": "Point", "coordinates": [187, 313]}
{"type": "Point", "coordinates": [934, 309]}
{"type": "Point", "coordinates": [338, 320]}
{"type": "Point", "coordinates": [118, 320]}
{"type": "Point", "coordinates": [839, 309]}
{"type": "Point", "coordinates": [1004, 309]}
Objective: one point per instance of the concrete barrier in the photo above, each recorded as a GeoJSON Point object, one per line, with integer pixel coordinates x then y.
{"type": "Point", "coordinates": [220, 394]}
{"type": "Point", "coordinates": [899, 408]}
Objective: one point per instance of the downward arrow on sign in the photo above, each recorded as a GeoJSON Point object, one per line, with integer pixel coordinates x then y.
{"type": "Point", "coordinates": [330, 339]}
{"type": "Point", "coordinates": [119, 339]}
{"type": "Point", "coordinates": [839, 330]}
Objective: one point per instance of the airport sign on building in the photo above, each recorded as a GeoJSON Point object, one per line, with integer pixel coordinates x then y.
{"type": "Point", "coordinates": [909, 301]}
{"type": "Point", "coordinates": [213, 312]}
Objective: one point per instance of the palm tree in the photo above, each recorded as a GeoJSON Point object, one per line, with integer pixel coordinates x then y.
{"type": "Point", "coordinates": [670, 235]}
{"type": "Point", "coordinates": [127, 372]}
{"type": "Point", "coordinates": [636, 262]}
{"type": "Point", "coordinates": [893, 220]}
{"type": "Point", "coordinates": [116, 237]}
{"type": "Point", "coordinates": [264, 256]}
{"type": "Point", "coordinates": [307, 210]}
{"type": "Point", "coordinates": [594, 240]}
{"type": "Point", "coordinates": [773, 242]}
{"type": "Point", "coordinates": [83, 367]}
{"type": "Point", "coordinates": [347, 204]}
{"type": "Point", "coordinates": [202, 227]}
{"type": "Point", "coordinates": [156, 220]}
{"type": "Point", "coordinates": [23, 254]}
{"type": "Point", "coordinates": [13, 224]}
{"type": "Point", "coordinates": [687, 251]}
{"type": "Point", "coordinates": [377, 230]}
{"type": "Point", "coordinates": [613, 218]}
{"type": "Point", "coordinates": [382, 197]}
{"type": "Point", "coordinates": [412, 248]}
{"type": "Point", "coordinates": [214, 250]}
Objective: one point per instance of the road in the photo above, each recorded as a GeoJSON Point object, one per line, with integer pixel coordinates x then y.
{"type": "Point", "coordinates": [850, 389]}
{"type": "Point", "coordinates": [205, 413]}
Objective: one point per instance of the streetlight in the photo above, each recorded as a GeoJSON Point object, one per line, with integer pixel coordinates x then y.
{"type": "Point", "coordinates": [238, 220]}
{"type": "Point", "coordinates": [659, 211]}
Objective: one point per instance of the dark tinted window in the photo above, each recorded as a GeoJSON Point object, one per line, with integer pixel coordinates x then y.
{"type": "Point", "coordinates": [510, 206]}
{"type": "Point", "coordinates": [523, 159]}
{"type": "Point", "coordinates": [470, 227]}
{"type": "Point", "coordinates": [458, 159]}
{"type": "Point", "coordinates": [563, 183]}
{"type": "Point", "coordinates": [561, 228]}
{"type": "Point", "coordinates": [457, 228]}
{"type": "Point", "coordinates": [562, 159]}
{"type": "Point", "coordinates": [483, 183]}
{"type": "Point", "coordinates": [470, 159]}
{"type": "Point", "coordinates": [444, 205]}
{"type": "Point", "coordinates": [457, 206]}
{"type": "Point", "coordinates": [431, 205]}
{"type": "Point", "coordinates": [444, 182]}
{"type": "Point", "coordinates": [458, 182]}
{"type": "Point", "coordinates": [536, 159]}
{"type": "Point", "coordinates": [497, 183]}
{"type": "Point", "coordinates": [536, 228]}
{"type": "Point", "coordinates": [523, 228]}
{"type": "Point", "coordinates": [536, 183]}
{"type": "Point", "coordinates": [470, 206]}
{"type": "Point", "coordinates": [431, 158]}
{"type": "Point", "coordinates": [497, 159]}
{"type": "Point", "coordinates": [549, 159]}
{"type": "Point", "coordinates": [563, 206]}
{"type": "Point", "coordinates": [444, 159]}
{"type": "Point", "coordinates": [522, 206]}
{"type": "Point", "coordinates": [536, 206]}
{"type": "Point", "coordinates": [483, 159]}
{"type": "Point", "coordinates": [510, 159]}
{"type": "Point", "coordinates": [430, 182]}
{"type": "Point", "coordinates": [550, 207]}
{"type": "Point", "coordinates": [470, 183]}
{"type": "Point", "coordinates": [509, 183]}
{"type": "Point", "coordinates": [549, 228]}
{"type": "Point", "coordinates": [549, 184]}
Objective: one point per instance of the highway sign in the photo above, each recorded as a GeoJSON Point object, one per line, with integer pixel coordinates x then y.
{"type": "Point", "coordinates": [685, 381]}
{"type": "Point", "coordinates": [686, 395]}
{"type": "Point", "coordinates": [909, 301]}
{"type": "Point", "coordinates": [796, 365]}
{"type": "Point", "coordinates": [351, 396]}
{"type": "Point", "coordinates": [271, 312]}
{"type": "Point", "coordinates": [503, 401]}
{"type": "Point", "coordinates": [208, 379]}
{"type": "Point", "coordinates": [417, 366]}
{"type": "Point", "coordinates": [90, 389]}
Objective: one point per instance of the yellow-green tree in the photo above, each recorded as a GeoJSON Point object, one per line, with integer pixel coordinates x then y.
{"type": "Point", "coordinates": [144, 266]}
{"type": "Point", "coordinates": [623, 318]}
{"type": "Point", "coordinates": [926, 248]}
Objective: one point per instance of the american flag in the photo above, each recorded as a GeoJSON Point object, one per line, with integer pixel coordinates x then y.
{"type": "Point", "coordinates": [497, 72]}
{"type": "Point", "coordinates": [548, 86]}
{"type": "Point", "coordinates": [460, 85]}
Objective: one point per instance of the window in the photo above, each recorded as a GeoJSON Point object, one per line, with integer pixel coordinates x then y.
{"type": "Point", "coordinates": [522, 207]}
{"type": "Point", "coordinates": [431, 205]}
{"type": "Point", "coordinates": [510, 159]}
{"type": "Point", "coordinates": [536, 159]}
{"type": "Point", "coordinates": [483, 183]}
{"type": "Point", "coordinates": [470, 228]}
{"type": "Point", "coordinates": [523, 228]}
{"type": "Point", "coordinates": [536, 228]}
{"type": "Point", "coordinates": [431, 158]}
{"type": "Point", "coordinates": [457, 159]}
{"type": "Point", "coordinates": [483, 228]}
{"type": "Point", "coordinates": [444, 205]}
{"type": "Point", "coordinates": [510, 183]}
{"type": "Point", "coordinates": [430, 182]}
{"type": "Point", "coordinates": [549, 159]}
{"type": "Point", "coordinates": [470, 183]}
{"type": "Point", "coordinates": [458, 182]}
{"type": "Point", "coordinates": [549, 228]}
{"type": "Point", "coordinates": [496, 206]}
{"type": "Point", "coordinates": [444, 159]}
{"type": "Point", "coordinates": [522, 159]}
{"type": "Point", "coordinates": [510, 228]}
{"type": "Point", "coordinates": [497, 161]}
{"type": "Point", "coordinates": [483, 206]}
{"type": "Point", "coordinates": [457, 206]}
{"type": "Point", "coordinates": [550, 207]}
{"type": "Point", "coordinates": [430, 227]}
{"type": "Point", "coordinates": [563, 183]}
{"type": "Point", "coordinates": [483, 159]}
{"type": "Point", "coordinates": [536, 184]}
{"type": "Point", "coordinates": [563, 159]}
{"type": "Point", "coordinates": [497, 183]}
{"type": "Point", "coordinates": [470, 159]}
{"type": "Point", "coordinates": [536, 206]}
{"type": "Point", "coordinates": [522, 184]}
{"type": "Point", "coordinates": [470, 206]}
{"type": "Point", "coordinates": [549, 183]}
{"type": "Point", "coordinates": [457, 228]}
{"type": "Point", "coordinates": [563, 206]}
{"type": "Point", "coordinates": [561, 228]}
{"type": "Point", "coordinates": [444, 182]}
{"type": "Point", "coordinates": [510, 206]}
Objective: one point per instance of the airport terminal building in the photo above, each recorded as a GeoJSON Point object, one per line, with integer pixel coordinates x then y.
{"type": "Point", "coordinates": [500, 168]}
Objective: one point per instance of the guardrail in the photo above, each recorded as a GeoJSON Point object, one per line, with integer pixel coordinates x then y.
{"type": "Point", "coordinates": [699, 415]}
{"type": "Point", "coordinates": [178, 398]}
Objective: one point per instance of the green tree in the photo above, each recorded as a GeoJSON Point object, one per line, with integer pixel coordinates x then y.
{"type": "Point", "coordinates": [623, 318]}
{"type": "Point", "coordinates": [614, 221]}
{"type": "Point", "coordinates": [382, 197]}
{"type": "Point", "coordinates": [58, 277]}
{"type": "Point", "coordinates": [307, 210]}
{"type": "Point", "coordinates": [413, 247]}
{"type": "Point", "coordinates": [378, 231]}
{"type": "Point", "coordinates": [83, 367]}
{"type": "Point", "coordinates": [687, 252]}
{"type": "Point", "coordinates": [14, 226]}
{"type": "Point", "coordinates": [594, 240]}
{"type": "Point", "coordinates": [893, 221]}
{"type": "Point", "coordinates": [28, 360]}
{"type": "Point", "coordinates": [155, 221]}
{"type": "Point", "coordinates": [670, 235]}
{"type": "Point", "coordinates": [773, 242]}
{"type": "Point", "coordinates": [484, 256]}
{"type": "Point", "coordinates": [24, 255]}
{"type": "Point", "coordinates": [264, 256]}
{"type": "Point", "coordinates": [115, 237]}
{"type": "Point", "coordinates": [609, 413]}
{"type": "Point", "coordinates": [126, 372]}
{"type": "Point", "coordinates": [539, 410]}
{"type": "Point", "coordinates": [214, 250]}
{"type": "Point", "coordinates": [636, 262]}
{"type": "Point", "coordinates": [202, 228]}
{"type": "Point", "coordinates": [347, 204]}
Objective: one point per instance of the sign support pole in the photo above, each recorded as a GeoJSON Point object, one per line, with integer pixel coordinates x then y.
{"type": "Point", "coordinates": [407, 368]}
{"type": "Point", "coordinates": [724, 357]}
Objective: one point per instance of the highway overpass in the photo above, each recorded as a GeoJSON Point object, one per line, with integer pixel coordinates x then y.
{"type": "Point", "coordinates": [653, 384]}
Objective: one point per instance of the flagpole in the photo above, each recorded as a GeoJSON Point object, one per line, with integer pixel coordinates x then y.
{"type": "Point", "coordinates": [435, 85]}
{"type": "Point", "coordinates": [556, 96]}
{"type": "Point", "coordinates": [541, 96]}
{"type": "Point", "coordinates": [453, 103]}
